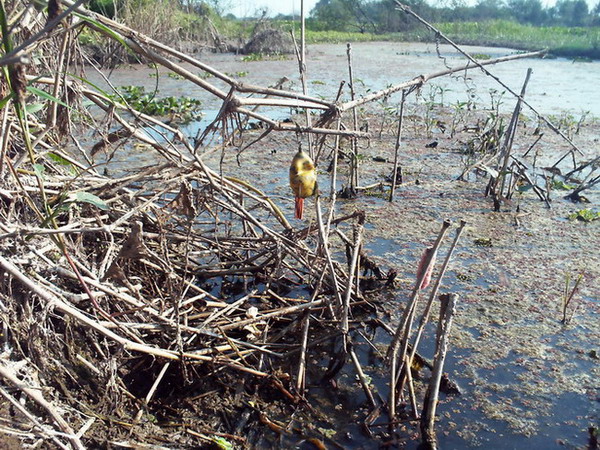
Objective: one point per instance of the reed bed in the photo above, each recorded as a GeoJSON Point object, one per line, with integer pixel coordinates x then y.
{"type": "Point", "coordinates": [113, 332]}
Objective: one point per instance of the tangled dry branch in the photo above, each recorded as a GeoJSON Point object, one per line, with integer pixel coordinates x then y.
{"type": "Point", "coordinates": [108, 283]}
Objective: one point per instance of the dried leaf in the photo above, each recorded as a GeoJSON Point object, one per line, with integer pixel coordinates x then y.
{"type": "Point", "coordinates": [183, 203]}
{"type": "Point", "coordinates": [134, 247]}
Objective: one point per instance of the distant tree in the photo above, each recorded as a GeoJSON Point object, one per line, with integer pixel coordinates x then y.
{"type": "Point", "coordinates": [331, 15]}
{"type": "Point", "coordinates": [459, 10]}
{"type": "Point", "coordinates": [287, 17]}
{"type": "Point", "coordinates": [486, 9]}
{"type": "Point", "coordinates": [219, 6]}
{"type": "Point", "coordinates": [387, 18]}
{"type": "Point", "coordinates": [458, 13]}
{"type": "Point", "coordinates": [368, 15]}
{"type": "Point", "coordinates": [572, 13]}
{"type": "Point", "coordinates": [362, 13]}
{"type": "Point", "coordinates": [528, 11]}
{"type": "Point", "coordinates": [595, 15]}
{"type": "Point", "coordinates": [580, 13]}
{"type": "Point", "coordinates": [200, 8]}
{"type": "Point", "coordinates": [382, 15]}
{"type": "Point", "coordinates": [401, 21]}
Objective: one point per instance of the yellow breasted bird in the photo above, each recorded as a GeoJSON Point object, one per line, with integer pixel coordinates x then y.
{"type": "Point", "coordinates": [303, 180]}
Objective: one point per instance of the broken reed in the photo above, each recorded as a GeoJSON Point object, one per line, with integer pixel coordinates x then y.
{"type": "Point", "coordinates": [121, 263]}
{"type": "Point", "coordinates": [567, 297]}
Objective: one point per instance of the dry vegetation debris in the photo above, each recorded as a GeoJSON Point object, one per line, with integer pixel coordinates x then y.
{"type": "Point", "coordinates": [133, 305]}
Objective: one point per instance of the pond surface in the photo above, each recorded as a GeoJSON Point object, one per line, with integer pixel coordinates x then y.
{"type": "Point", "coordinates": [526, 379]}
{"type": "Point", "coordinates": [557, 85]}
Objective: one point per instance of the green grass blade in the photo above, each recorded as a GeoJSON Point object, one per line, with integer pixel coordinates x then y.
{"type": "Point", "coordinates": [45, 95]}
{"type": "Point", "coordinates": [103, 28]}
{"type": "Point", "coordinates": [6, 99]}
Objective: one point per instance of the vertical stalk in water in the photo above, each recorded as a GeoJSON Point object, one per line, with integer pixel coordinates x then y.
{"type": "Point", "coordinates": [447, 308]}
{"type": "Point", "coordinates": [354, 157]}
{"type": "Point", "coordinates": [397, 149]}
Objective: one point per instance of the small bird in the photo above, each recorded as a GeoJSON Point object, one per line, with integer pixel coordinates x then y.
{"type": "Point", "coordinates": [303, 180]}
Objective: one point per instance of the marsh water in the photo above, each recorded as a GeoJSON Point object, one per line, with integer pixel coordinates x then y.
{"type": "Point", "coordinates": [526, 380]}
{"type": "Point", "coordinates": [557, 85]}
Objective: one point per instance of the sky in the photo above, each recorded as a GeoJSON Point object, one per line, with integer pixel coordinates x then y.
{"type": "Point", "coordinates": [248, 8]}
{"type": "Point", "coordinates": [245, 8]}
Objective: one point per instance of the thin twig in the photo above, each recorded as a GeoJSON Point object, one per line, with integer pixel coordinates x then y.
{"type": "Point", "coordinates": [481, 64]}
{"type": "Point", "coordinates": [397, 146]}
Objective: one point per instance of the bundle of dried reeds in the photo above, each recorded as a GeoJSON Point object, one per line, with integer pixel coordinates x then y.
{"type": "Point", "coordinates": [107, 282]}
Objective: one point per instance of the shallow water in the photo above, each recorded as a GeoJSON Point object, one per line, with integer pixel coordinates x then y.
{"type": "Point", "coordinates": [526, 379]}
{"type": "Point", "coordinates": [557, 85]}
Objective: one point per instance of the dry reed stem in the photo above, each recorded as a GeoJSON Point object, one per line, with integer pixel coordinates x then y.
{"type": "Point", "coordinates": [435, 290]}
{"type": "Point", "coordinates": [156, 303]}
{"type": "Point", "coordinates": [505, 151]}
{"type": "Point", "coordinates": [397, 146]}
{"type": "Point", "coordinates": [447, 308]}
{"type": "Point", "coordinates": [36, 423]}
{"type": "Point", "coordinates": [301, 376]}
{"type": "Point", "coordinates": [36, 395]}
{"type": "Point", "coordinates": [361, 377]}
{"type": "Point", "coordinates": [399, 345]}
{"type": "Point", "coordinates": [232, 102]}
{"type": "Point", "coordinates": [481, 65]}
{"type": "Point", "coordinates": [422, 79]}
{"type": "Point", "coordinates": [353, 271]}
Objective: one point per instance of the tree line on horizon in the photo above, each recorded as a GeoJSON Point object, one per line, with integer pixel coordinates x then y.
{"type": "Point", "coordinates": [379, 16]}
{"type": "Point", "coordinates": [375, 17]}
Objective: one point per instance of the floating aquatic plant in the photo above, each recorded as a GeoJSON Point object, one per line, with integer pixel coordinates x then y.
{"type": "Point", "coordinates": [585, 215]}
{"type": "Point", "coordinates": [182, 108]}
{"type": "Point", "coordinates": [560, 185]}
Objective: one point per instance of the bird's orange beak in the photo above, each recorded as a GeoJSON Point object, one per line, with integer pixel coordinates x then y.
{"type": "Point", "coordinates": [299, 207]}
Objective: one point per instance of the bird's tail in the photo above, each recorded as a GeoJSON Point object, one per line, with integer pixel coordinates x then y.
{"type": "Point", "coordinates": [299, 207]}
